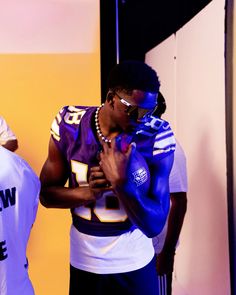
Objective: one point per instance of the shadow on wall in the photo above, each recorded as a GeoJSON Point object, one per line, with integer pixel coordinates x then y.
{"type": "Point", "coordinates": [204, 261]}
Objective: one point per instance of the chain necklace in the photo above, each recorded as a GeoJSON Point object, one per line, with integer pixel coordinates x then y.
{"type": "Point", "coordinates": [99, 132]}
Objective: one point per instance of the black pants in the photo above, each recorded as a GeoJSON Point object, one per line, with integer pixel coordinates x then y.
{"type": "Point", "coordinates": [143, 281]}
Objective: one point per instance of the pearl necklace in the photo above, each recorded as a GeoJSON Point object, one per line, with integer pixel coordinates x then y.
{"type": "Point", "coordinates": [99, 132]}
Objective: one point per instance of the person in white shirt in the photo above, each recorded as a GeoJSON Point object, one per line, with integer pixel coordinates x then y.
{"type": "Point", "coordinates": [165, 243]}
{"type": "Point", "coordinates": [19, 198]}
{"type": "Point", "coordinates": [7, 137]}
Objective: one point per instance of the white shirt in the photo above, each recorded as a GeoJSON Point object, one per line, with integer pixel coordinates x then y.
{"type": "Point", "coordinates": [19, 197]}
{"type": "Point", "coordinates": [105, 255]}
{"type": "Point", "coordinates": [5, 132]}
{"type": "Point", "coordinates": [178, 183]}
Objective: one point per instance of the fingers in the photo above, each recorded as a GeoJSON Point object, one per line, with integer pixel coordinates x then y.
{"type": "Point", "coordinates": [95, 169]}
{"type": "Point", "coordinates": [118, 151]}
{"type": "Point", "coordinates": [131, 149]}
{"type": "Point", "coordinates": [99, 183]}
{"type": "Point", "coordinates": [123, 141]}
{"type": "Point", "coordinates": [116, 147]}
{"type": "Point", "coordinates": [96, 173]}
{"type": "Point", "coordinates": [105, 147]}
{"type": "Point", "coordinates": [119, 143]}
{"type": "Point", "coordinates": [97, 178]}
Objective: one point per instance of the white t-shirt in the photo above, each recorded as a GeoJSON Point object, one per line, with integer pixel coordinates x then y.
{"type": "Point", "coordinates": [178, 183]}
{"type": "Point", "coordinates": [19, 197]}
{"type": "Point", "coordinates": [5, 132]}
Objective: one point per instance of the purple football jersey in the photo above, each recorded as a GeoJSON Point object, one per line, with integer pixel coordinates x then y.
{"type": "Point", "coordinates": [73, 132]}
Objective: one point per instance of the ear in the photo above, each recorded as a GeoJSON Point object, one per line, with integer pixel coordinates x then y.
{"type": "Point", "coordinates": [110, 98]}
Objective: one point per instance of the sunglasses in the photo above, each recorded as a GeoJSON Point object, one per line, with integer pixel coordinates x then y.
{"type": "Point", "coordinates": [136, 111]}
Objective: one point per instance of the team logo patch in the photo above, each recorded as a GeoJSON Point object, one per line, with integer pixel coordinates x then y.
{"type": "Point", "coordinates": [140, 176]}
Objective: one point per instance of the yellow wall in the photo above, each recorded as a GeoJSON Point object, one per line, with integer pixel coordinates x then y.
{"type": "Point", "coordinates": [33, 89]}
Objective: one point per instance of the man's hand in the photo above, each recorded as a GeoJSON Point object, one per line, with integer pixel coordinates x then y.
{"type": "Point", "coordinates": [97, 178]}
{"type": "Point", "coordinates": [114, 159]}
{"type": "Point", "coordinates": [98, 183]}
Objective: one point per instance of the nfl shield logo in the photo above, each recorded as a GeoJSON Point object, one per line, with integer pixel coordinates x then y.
{"type": "Point", "coordinates": [140, 176]}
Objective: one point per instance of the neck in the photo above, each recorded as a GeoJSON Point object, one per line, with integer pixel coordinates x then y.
{"type": "Point", "coordinates": [98, 128]}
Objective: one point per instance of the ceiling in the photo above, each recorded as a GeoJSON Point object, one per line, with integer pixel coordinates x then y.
{"type": "Point", "coordinates": [143, 24]}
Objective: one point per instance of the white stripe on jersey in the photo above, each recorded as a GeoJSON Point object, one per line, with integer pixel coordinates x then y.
{"type": "Point", "coordinates": [164, 134]}
{"type": "Point", "coordinates": [156, 152]}
{"type": "Point", "coordinates": [59, 118]}
{"type": "Point", "coordinates": [55, 130]}
{"type": "Point", "coordinates": [156, 123]}
{"type": "Point", "coordinates": [164, 143]}
{"type": "Point", "coordinates": [144, 132]}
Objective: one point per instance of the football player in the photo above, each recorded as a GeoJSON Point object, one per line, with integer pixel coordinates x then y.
{"type": "Point", "coordinates": [117, 158]}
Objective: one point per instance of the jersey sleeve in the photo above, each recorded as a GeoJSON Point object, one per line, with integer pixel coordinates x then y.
{"type": "Point", "coordinates": [6, 133]}
{"type": "Point", "coordinates": [65, 126]}
{"type": "Point", "coordinates": [178, 175]}
{"type": "Point", "coordinates": [164, 142]}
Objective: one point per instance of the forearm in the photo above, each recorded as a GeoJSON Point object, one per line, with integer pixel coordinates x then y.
{"type": "Point", "coordinates": [148, 214]}
{"type": "Point", "coordinates": [142, 188]}
{"type": "Point", "coordinates": [175, 220]}
{"type": "Point", "coordinates": [63, 197]}
{"type": "Point", "coordinates": [11, 145]}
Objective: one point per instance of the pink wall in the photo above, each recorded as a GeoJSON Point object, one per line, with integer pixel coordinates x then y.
{"type": "Point", "coordinates": [48, 26]}
{"type": "Point", "coordinates": [191, 69]}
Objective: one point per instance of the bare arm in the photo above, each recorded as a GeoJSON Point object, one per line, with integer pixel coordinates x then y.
{"type": "Point", "coordinates": [175, 220]}
{"type": "Point", "coordinates": [53, 177]}
{"type": "Point", "coordinates": [178, 209]}
{"type": "Point", "coordinates": [11, 145]}
{"type": "Point", "coordinates": [147, 210]}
